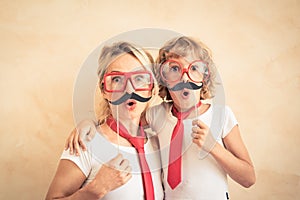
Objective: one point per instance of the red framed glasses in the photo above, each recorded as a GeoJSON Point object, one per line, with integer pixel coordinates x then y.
{"type": "Point", "coordinates": [117, 81]}
{"type": "Point", "coordinates": [172, 71]}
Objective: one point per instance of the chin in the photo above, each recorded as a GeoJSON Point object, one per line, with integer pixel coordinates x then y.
{"type": "Point", "coordinates": [133, 112]}
{"type": "Point", "coordinates": [185, 103]}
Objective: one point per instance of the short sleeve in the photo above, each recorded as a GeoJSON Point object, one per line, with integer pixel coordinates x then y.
{"type": "Point", "coordinates": [230, 121]}
{"type": "Point", "coordinates": [83, 161]}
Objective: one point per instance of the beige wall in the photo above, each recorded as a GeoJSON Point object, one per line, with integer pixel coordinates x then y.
{"type": "Point", "coordinates": [256, 45]}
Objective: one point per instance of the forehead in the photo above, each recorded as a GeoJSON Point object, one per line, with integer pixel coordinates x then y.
{"type": "Point", "coordinates": [125, 63]}
{"type": "Point", "coordinates": [184, 59]}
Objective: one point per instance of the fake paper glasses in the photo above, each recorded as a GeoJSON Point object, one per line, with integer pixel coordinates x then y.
{"type": "Point", "coordinates": [173, 71]}
{"type": "Point", "coordinates": [117, 81]}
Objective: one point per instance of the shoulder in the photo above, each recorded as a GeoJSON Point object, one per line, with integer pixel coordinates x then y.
{"type": "Point", "coordinates": [161, 106]}
{"type": "Point", "coordinates": [228, 109]}
{"type": "Point", "coordinates": [220, 109]}
{"type": "Point", "coordinates": [224, 111]}
{"type": "Point", "coordinates": [229, 113]}
{"type": "Point", "coordinates": [157, 112]}
{"type": "Point", "coordinates": [83, 161]}
{"type": "Point", "coordinates": [230, 121]}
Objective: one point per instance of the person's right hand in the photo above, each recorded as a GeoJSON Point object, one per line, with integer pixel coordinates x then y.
{"type": "Point", "coordinates": [86, 129]}
{"type": "Point", "coordinates": [110, 176]}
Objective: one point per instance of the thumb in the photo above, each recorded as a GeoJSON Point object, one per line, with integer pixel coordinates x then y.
{"type": "Point", "coordinates": [92, 132]}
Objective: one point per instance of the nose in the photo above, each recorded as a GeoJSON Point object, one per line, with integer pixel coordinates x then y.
{"type": "Point", "coordinates": [129, 88]}
{"type": "Point", "coordinates": [184, 76]}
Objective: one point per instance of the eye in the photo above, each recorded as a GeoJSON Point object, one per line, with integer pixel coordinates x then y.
{"type": "Point", "coordinates": [139, 78]}
{"type": "Point", "coordinates": [142, 79]}
{"type": "Point", "coordinates": [174, 68]}
{"type": "Point", "coordinates": [194, 67]}
{"type": "Point", "coordinates": [116, 79]}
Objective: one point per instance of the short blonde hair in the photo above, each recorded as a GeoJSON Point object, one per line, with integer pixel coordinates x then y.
{"type": "Point", "coordinates": [107, 56]}
{"type": "Point", "coordinates": [181, 47]}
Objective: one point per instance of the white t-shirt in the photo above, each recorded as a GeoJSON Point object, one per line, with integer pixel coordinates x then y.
{"type": "Point", "coordinates": [202, 177]}
{"type": "Point", "coordinates": [100, 151]}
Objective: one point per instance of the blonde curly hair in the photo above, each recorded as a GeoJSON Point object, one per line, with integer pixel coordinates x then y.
{"type": "Point", "coordinates": [181, 47]}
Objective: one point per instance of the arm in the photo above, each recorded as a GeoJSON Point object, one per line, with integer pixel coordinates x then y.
{"type": "Point", "coordinates": [69, 178]}
{"type": "Point", "coordinates": [234, 158]}
{"type": "Point", "coordinates": [66, 182]}
{"type": "Point", "coordinates": [86, 129]}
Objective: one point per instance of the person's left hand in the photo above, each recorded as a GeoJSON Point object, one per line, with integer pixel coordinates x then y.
{"type": "Point", "coordinates": [202, 136]}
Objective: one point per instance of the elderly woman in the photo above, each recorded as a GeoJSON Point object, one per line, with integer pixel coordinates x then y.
{"type": "Point", "coordinates": [121, 160]}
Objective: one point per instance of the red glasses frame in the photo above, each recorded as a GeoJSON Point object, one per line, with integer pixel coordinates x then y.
{"type": "Point", "coordinates": [128, 76]}
{"type": "Point", "coordinates": [184, 70]}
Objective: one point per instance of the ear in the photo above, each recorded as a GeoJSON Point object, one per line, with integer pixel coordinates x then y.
{"type": "Point", "coordinates": [101, 86]}
{"type": "Point", "coordinates": [102, 91]}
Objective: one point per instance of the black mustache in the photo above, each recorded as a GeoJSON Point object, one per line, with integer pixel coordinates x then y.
{"type": "Point", "coordinates": [187, 85]}
{"type": "Point", "coordinates": [127, 96]}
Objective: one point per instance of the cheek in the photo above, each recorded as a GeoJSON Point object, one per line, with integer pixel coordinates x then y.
{"type": "Point", "coordinates": [174, 94]}
{"type": "Point", "coordinates": [144, 93]}
{"type": "Point", "coordinates": [141, 107]}
{"type": "Point", "coordinates": [111, 96]}
{"type": "Point", "coordinates": [171, 84]}
{"type": "Point", "coordinates": [197, 94]}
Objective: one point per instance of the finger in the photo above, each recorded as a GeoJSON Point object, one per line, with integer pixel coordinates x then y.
{"type": "Point", "coordinates": [124, 164]}
{"type": "Point", "coordinates": [196, 129]}
{"type": "Point", "coordinates": [196, 136]}
{"type": "Point", "coordinates": [92, 132]}
{"type": "Point", "coordinates": [76, 145]}
{"type": "Point", "coordinates": [128, 170]}
{"type": "Point", "coordinates": [71, 145]}
{"type": "Point", "coordinates": [125, 172]}
{"type": "Point", "coordinates": [199, 123]}
{"type": "Point", "coordinates": [67, 144]}
{"type": "Point", "coordinates": [127, 178]}
{"type": "Point", "coordinates": [198, 142]}
{"type": "Point", "coordinates": [116, 161]}
{"type": "Point", "coordinates": [200, 132]}
{"type": "Point", "coordinates": [82, 144]}
{"type": "Point", "coordinates": [195, 140]}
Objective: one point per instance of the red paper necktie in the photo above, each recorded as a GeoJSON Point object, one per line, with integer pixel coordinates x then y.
{"type": "Point", "coordinates": [174, 168]}
{"type": "Point", "coordinates": [138, 143]}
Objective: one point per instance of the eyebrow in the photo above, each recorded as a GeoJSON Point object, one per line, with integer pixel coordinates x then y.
{"type": "Point", "coordinates": [140, 70]}
{"type": "Point", "coordinates": [115, 71]}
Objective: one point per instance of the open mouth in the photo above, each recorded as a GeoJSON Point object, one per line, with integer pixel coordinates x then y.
{"type": "Point", "coordinates": [185, 93]}
{"type": "Point", "coordinates": [130, 104]}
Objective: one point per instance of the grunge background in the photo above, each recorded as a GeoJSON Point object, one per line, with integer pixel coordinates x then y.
{"type": "Point", "coordinates": [255, 44]}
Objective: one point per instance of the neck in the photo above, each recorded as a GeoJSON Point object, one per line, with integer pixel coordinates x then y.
{"type": "Point", "coordinates": [196, 106]}
{"type": "Point", "coordinates": [180, 109]}
{"type": "Point", "coordinates": [131, 124]}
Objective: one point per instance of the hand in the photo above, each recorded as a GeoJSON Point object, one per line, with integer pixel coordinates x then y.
{"type": "Point", "coordinates": [86, 129]}
{"type": "Point", "coordinates": [202, 136]}
{"type": "Point", "coordinates": [110, 176]}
